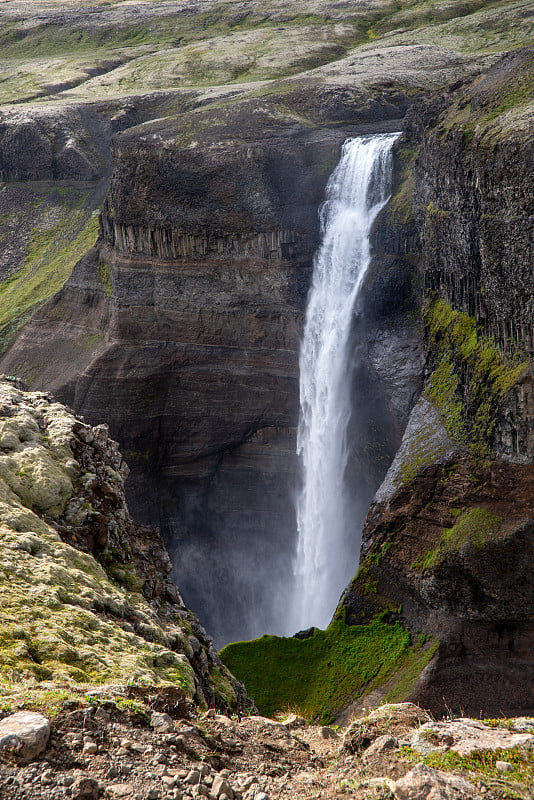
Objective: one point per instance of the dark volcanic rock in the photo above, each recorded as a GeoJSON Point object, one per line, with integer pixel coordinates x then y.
{"type": "Point", "coordinates": [181, 330]}
{"type": "Point", "coordinates": [450, 535]}
{"type": "Point", "coordinates": [477, 227]}
{"type": "Point", "coordinates": [471, 588]}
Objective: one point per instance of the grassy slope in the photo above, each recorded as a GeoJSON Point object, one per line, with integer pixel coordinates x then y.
{"type": "Point", "coordinates": [62, 225]}
{"type": "Point", "coordinates": [221, 46]}
{"type": "Point", "coordinates": [321, 675]}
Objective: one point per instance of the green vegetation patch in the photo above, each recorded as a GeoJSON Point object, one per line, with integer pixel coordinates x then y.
{"type": "Point", "coordinates": [322, 674]}
{"type": "Point", "coordinates": [52, 254]}
{"type": "Point", "coordinates": [473, 528]}
{"type": "Point", "coordinates": [401, 203]}
{"type": "Point", "coordinates": [480, 768]}
{"type": "Point", "coordinates": [471, 377]}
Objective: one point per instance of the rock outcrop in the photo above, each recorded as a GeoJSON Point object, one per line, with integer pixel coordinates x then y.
{"type": "Point", "coordinates": [86, 595]}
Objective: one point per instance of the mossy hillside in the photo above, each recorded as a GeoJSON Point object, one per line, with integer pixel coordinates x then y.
{"type": "Point", "coordinates": [324, 673]}
{"type": "Point", "coordinates": [473, 529]}
{"type": "Point", "coordinates": [52, 699]}
{"type": "Point", "coordinates": [54, 248]}
{"type": "Point", "coordinates": [494, 110]}
{"type": "Point", "coordinates": [61, 615]}
{"type": "Point", "coordinates": [473, 27]}
{"type": "Point", "coordinates": [224, 45]}
{"type": "Point", "coordinates": [206, 48]}
{"type": "Point", "coordinates": [64, 619]}
{"type": "Point", "coordinates": [471, 378]}
{"type": "Point", "coordinates": [260, 54]}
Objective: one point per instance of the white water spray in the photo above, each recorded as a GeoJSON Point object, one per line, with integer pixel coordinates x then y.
{"type": "Point", "coordinates": [357, 190]}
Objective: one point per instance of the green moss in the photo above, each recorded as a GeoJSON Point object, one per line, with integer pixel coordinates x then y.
{"type": "Point", "coordinates": [63, 618]}
{"type": "Point", "coordinates": [51, 257]}
{"type": "Point", "coordinates": [127, 576]}
{"type": "Point", "coordinates": [413, 664]}
{"type": "Point", "coordinates": [322, 674]}
{"type": "Point", "coordinates": [375, 556]}
{"type": "Point", "coordinates": [221, 683]}
{"type": "Point", "coordinates": [474, 528]}
{"type": "Point", "coordinates": [471, 377]}
{"type": "Point", "coordinates": [400, 205]}
{"type": "Point", "coordinates": [105, 278]}
{"type": "Point", "coordinates": [481, 767]}
{"type": "Point", "coordinates": [424, 449]}
{"type": "Point", "coordinates": [370, 587]}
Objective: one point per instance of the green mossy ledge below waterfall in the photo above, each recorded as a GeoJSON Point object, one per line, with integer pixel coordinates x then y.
{"type": "Point", "coordinates": [321, 675]}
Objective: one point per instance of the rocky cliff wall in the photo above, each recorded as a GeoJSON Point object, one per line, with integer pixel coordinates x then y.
{"type": "Point", "coordinates": [182, 330]}
{"type": "Point", "coordinates": [476, 226]}
{"type": "Point", "coordinates": [450, 532]}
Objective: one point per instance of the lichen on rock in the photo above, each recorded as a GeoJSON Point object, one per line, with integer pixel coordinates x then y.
{"type": "Point", "coordinates": [85, 590]}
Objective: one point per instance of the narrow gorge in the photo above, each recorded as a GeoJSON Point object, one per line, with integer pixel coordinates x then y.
{"type": "Point", "coordinates": [285, 255]}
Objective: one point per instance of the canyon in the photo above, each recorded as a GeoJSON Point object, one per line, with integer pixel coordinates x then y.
{"type": "Point", "coordinates": [159, 214]}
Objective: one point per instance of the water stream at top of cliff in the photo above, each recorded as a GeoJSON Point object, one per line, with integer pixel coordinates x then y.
{"type": "Point", "coordinates": [328, 544]}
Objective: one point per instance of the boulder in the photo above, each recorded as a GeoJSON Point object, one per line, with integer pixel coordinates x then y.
{"type": "Point", "coordinates": [220, 786]}
{"type": "Point", "coordinates": [329, 733]}
{"type": "Point", "coordinates": [24, 734]}
{"type": "Point", "coordinates": [466, 736]}
{"type": "Point", "coordinates": [162, 723]}
{"type": "Point", "coordinates": [381, 745]}
{"type": "Point", "coordinates": [425, 783]}
{"type": "Point", "coordinates": [294, 721]}
{"type": "Point", "coordinates": [85, 788]}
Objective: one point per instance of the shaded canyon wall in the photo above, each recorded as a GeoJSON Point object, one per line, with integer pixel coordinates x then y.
{"type": "Point", "coordinates": [181, 329]}
{"type": "Point", "coordinates": [448, 539]}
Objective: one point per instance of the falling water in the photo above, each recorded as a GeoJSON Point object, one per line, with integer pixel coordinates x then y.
{"type": "Point", "coordinates": [357, 190]}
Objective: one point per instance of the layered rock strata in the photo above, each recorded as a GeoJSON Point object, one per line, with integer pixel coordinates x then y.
{"type": "Point", "coordinates": [182, 329]}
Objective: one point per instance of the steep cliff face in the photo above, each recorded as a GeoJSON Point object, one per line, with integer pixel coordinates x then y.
{"type": "Point", "coordinates": [448, 538]}
{"type": "Point", "coordinates": [86, 594]}
{"type": "Point", "coordinates": [189, 335]}
{"type": "Point", "coordinates": [476, 227]}
{"type": "Point", "coordinates": [182, 327]}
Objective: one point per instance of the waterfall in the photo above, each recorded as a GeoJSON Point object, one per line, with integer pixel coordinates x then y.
{"type": "Point", "coordinates": [327, 549]}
